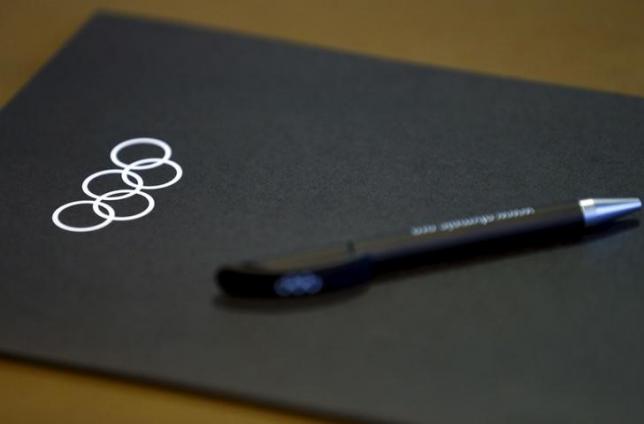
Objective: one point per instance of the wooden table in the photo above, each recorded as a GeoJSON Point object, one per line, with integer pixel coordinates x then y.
{"type": "Point", "coordinates": [585, 43]}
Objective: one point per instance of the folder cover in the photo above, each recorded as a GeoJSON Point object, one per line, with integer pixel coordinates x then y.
{"type": "Point", "coordinates": [268, 147]}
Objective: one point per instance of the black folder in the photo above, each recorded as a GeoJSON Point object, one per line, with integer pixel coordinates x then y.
{"type": "Point", "coordinates": [284, 147]}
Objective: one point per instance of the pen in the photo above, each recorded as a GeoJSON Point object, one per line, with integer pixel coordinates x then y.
{"type": "Point", "coordinates": [356, 262]}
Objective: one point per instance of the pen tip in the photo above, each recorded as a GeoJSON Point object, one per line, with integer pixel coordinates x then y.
{"type": "Point", "coordinates": [596, 211]}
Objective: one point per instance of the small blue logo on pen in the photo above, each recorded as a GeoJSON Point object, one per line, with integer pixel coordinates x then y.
{"type": "Point", "coordinates": [300, 284]}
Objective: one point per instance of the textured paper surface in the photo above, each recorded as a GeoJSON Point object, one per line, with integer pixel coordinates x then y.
{"type": "Point", "coordinates": [283, 148]}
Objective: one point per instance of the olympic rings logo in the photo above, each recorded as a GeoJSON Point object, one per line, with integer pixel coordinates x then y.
{"type": "Point", "coordinates": [134, 181]}
{"type": "Point", "coordinates": [298, 284]}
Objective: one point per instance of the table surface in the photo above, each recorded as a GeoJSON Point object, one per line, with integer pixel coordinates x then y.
{"type": "Point", "coordinates": [590, 44]}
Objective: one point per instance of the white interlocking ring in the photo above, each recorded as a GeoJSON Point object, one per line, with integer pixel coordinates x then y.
{"type": "Point", "coordinates": [108, 195]}
{"type": "Point", "coordinates": [127, 171]}
{"type": "Point", "coordinates": [132, 179]}
{"type": "Point", "coordinates": [137, 187]}
{"type": "Point", "coordinates": [167, 151]}
{"type": "Point", "coordinates": [95, 204]}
